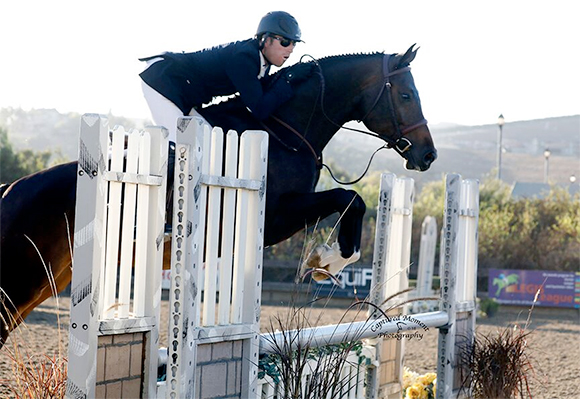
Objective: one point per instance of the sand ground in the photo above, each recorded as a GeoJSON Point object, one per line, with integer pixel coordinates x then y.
{"type": "Point", "coordinates": [553, 345]}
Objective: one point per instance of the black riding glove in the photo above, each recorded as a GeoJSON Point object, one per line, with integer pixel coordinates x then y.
{"type": "Point", "coordinates": [299, 72]}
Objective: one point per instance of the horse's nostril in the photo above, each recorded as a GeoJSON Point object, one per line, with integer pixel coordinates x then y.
{"type": "Point", "coordinates": [430, 157]}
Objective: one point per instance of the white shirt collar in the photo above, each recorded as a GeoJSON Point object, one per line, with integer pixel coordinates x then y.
{"type": "Point", "coordinates": [263, 66]}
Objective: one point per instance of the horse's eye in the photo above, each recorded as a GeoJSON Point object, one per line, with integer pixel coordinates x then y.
{"type": "Point", "coordinates": [405, 96]}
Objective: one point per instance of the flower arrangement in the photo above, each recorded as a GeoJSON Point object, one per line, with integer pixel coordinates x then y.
{"type": "Point", "coordinates": [417, 386]}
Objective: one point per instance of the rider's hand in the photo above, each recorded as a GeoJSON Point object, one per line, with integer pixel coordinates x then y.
{"type": "Point", "coordinates": [299, 72]}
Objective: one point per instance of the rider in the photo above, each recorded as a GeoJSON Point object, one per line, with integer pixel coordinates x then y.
{"type": "Point", "coordinates": [177, 84]}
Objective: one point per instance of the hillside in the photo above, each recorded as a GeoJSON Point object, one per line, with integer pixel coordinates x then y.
{"type": "Point", "coordinates": [472, 151]}
{"type": "Point", "coordinates": [469, 150]}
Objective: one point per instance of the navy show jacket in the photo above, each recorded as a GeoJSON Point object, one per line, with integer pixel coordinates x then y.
{"type": "Point", "coordinates": [192, 79]}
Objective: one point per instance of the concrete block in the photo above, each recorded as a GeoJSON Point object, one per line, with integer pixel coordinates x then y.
{"type": "Point", "coordinates": [132, 389]}
{"type": "Point", "coordinates": [101, 392]}
{"type": "Point", "coordinates": [115, 390]}
{"type": "Point", "coordinates": [213, 380]}
{"type": "Point", "coordinates": [136, 364]}
{"type": "Point", "coordinates": [101, 364]}
{"type": "Point", "coordinates": [222, 351]}
{"type": "Point", "coordinates": [203, 353]}
{"type": "Point", "coordinates": [117, 362]}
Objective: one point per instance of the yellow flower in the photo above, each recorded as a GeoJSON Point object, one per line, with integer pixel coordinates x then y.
{"type": "Point", "coordinates": [414, 392]}
{"type": "Point", "coordinates": [409, 378]}
{"type": "Point", "coordinates": [427, 379]}
{"type": "Point", "coordinates": [435, 387]}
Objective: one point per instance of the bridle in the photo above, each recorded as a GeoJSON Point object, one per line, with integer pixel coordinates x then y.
{"type": "Point", "coordinates": [400, 144]}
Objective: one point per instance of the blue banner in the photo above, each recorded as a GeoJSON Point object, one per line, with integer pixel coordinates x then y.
{"type": "Point", "coordinates": [520, 287]}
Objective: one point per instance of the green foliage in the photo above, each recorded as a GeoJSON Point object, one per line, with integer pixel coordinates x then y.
{"type": "Point", "coordinates": [489, 306]}
{"type": "Point", "coordinates": [541, 234]}
{"type": "Point", "coordinates": [531, 233]}
{"type": "Point", "coordinates": [14, 164]}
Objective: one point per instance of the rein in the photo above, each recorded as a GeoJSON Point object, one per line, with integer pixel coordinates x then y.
{"type": "Point", "coordinates": [401, 144]}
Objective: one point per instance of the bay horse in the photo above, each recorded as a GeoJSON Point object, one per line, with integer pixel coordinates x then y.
{"type": "Point", "coordinates": [37, 211]}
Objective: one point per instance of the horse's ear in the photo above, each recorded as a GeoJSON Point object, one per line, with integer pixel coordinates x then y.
{"type": "Point", "coordinates": [408, 57]}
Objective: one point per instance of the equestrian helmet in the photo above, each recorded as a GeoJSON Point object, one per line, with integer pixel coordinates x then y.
{"type": "Point", "coordinates": [280, 23]}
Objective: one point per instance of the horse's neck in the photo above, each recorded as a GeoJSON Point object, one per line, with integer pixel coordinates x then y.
{"type": "Point", "coordinates": [344, 79]}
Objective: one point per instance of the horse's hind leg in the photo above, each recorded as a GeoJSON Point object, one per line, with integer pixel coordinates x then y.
{"type": "Point", "coordinates": [296, 210]}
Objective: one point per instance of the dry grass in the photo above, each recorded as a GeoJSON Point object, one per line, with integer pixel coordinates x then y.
{"type": "Point", "coordinates": [35, 376]}
{"type": "Point", "coordinates": [498, 363]}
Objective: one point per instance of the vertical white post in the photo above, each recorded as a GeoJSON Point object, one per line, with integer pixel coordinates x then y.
{"type": "Point", "coordinates": [426, 262]}
{"type": "Point", "coordinates": [390, 272]}
{"type": "Point", "coordinates": [399, 250]}
{"type": "Point", "coordinates": [467, 256]}
{"type": "Point", "coordinates": [88, 257]}
{"type": "Point", "coordinates": [155, 235]}
{"type": "Point", "coordinates": [253, 146]}
{"type": "Point", "coordinates": [186, 257]}
{"type": "Point", "coordinates": [446, 358]}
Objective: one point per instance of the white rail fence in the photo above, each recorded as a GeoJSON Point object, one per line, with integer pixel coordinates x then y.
{"type": "Point", "coordinates": [119, 223]}
{"type": "Point", "coordinates": [219, 202]}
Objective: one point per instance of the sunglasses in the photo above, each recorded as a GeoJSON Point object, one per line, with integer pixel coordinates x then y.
{"type": "Point", "coordinates": [283, 41]}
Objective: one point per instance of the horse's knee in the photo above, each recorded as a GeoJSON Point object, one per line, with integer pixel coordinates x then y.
{"type": "Point", "coordinates": [358, 205]}
{"type": "Point", "coordinates": [351, 202]}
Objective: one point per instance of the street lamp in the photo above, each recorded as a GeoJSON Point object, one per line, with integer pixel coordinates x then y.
{"type": "Point", "coordinates": [500, 123]}
{"type": "Point", "coordinates": [546, 164]}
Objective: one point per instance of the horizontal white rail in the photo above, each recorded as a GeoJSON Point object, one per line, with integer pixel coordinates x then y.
{"type": "Point", "coordinates": [337, 333]}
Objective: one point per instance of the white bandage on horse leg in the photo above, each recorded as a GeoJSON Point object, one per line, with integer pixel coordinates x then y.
{"type": "Point", "coordinates": [330, 259]}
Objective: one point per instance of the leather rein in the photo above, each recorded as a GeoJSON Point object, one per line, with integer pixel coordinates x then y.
{"type": "Point", "coordinates": [401, 144]}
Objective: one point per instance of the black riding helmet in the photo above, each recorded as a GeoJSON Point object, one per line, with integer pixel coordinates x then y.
{"type": "Point", "coordinates": [279, 23]}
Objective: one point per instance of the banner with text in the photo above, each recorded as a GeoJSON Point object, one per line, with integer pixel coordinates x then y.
{"type": "Point", "coordinates": [351, 282]}
{"type": "Point", "coordinates": [519, 287]}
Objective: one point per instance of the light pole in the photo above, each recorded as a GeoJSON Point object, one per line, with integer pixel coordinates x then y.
{"type": "Point", "coordinates": [500, 123]}
{"type": "Point", "coordinates": [546, 164]}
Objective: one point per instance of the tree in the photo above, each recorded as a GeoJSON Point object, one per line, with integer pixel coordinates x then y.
{"type": "Point", "coordinates": [15, 164]}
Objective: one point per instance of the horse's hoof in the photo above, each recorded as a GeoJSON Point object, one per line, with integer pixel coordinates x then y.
{"type": "Point", "coordinates": [326, 261]}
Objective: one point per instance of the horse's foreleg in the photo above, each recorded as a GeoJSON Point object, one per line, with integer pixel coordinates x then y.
{"type": "Point", "coordinates": [295, 211]}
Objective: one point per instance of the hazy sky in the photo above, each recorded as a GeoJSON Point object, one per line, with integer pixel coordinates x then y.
{"type": "Point", "coordinates": [477, 59]}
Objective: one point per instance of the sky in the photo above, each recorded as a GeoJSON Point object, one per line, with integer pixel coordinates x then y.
{"type": "Point", "coordinates": [477, 59]}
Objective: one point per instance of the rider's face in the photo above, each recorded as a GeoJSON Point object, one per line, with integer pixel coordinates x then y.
{"type": "Point", "coordinates": [275, 52]}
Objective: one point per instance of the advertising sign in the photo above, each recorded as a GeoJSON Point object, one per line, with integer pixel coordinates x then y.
{"type": "Point", "coordinates": [519, 287]}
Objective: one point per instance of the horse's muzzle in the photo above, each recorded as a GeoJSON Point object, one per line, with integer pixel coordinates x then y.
{"type": "Point", "coordinates": [424, 163]}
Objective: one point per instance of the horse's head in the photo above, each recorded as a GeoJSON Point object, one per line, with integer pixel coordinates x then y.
{"type": "Point", "coordinates": [391, 108]}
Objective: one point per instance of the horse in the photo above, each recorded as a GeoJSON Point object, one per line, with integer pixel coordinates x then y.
{"type": "Point", "coordinates": [37, 211]}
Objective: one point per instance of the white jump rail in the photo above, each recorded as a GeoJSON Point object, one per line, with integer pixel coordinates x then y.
{"type": "Point", "coordinates": [120, 208]}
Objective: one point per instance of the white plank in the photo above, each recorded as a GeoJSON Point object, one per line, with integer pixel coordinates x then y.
{"type": "Point", "coordinates": [113, 221]}
{"type": "Point", "coordinates": [228, 229]}
{"type": "Point", "coordinates": [128, 232]}
{"type": "Point", "coordinates": [213, 229]}
{"type": "Point", "coordinates": [143, 199]}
